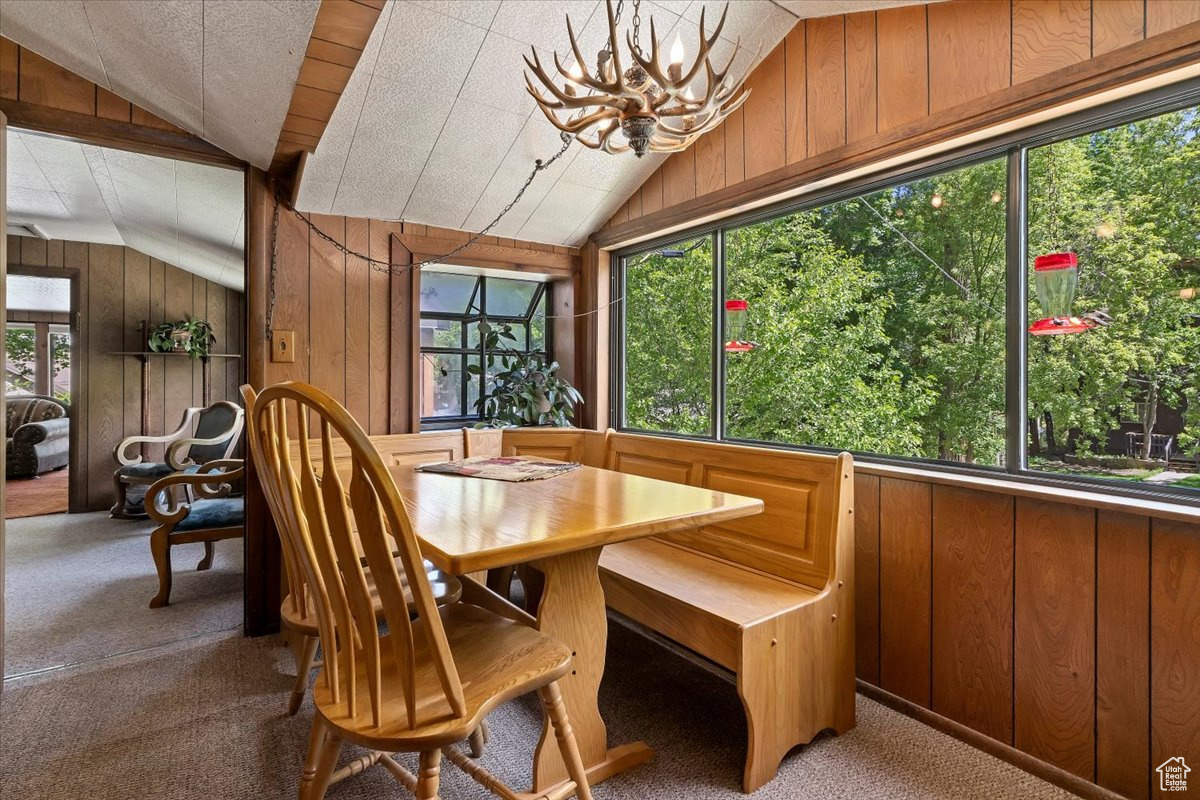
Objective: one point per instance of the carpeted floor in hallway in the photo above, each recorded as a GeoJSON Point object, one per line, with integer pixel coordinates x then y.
{"type": "Point", "coordinates": [78, 587]}
{"type": "Point", "coordinates": [205, 719]}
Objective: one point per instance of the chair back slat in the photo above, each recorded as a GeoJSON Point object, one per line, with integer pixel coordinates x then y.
{"type": "Point", "coordinates": [346, 522]}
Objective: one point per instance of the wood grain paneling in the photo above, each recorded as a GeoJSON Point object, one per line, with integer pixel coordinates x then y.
{"type": "Point", "coordinates": [866, 572]}
{"type": "Point", "coordinates": [970, 53]}
{"type": "Point", "coordinates": [795, 57]}
{"type": "Point", "coordinates": [842, 92]}
{"type": "Point", "coordinates": [903, 48]}
{"type": "Point", "coordinates": [1049, 35]}
{"type": "Point", "coordinates": [826, 77]}
{"type": "Point", "coordinates": [735, 152]}
{"type": "Point", "coordinates": [904, 588]}
{"type": "Point", "coordinates": [1116, 23]}
{"type": "Point", "coordinates": [1175, 644]}
{"type": "Point", "coordinates": [119, 287]}
{"type": "Point", "coordinates": [346, 317]}
{"type": "Point", "coordinates": [973, 609]}
{"type": "Point", "coordinates": [1054, 613]}
{"type": "Point", "coordinates": [710, 164]}
{"type": "Point", "coordinates": [652, 192]}
{"type": "Point", "coordinates": [862, 74]}
{"type": "Point", "coordinates": [1122, 653]}
{"type": "Point", "coordinates": [1164, 15]}
{"type": "Point", "coordinates": [679, 177]}
{"type": "Point", "coordinates": [766, 139]}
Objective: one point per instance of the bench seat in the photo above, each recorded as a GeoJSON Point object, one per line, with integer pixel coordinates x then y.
{"type": "Point", "coordinates": [666, 587]}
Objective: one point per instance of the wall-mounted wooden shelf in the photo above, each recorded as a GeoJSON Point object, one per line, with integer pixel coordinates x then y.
{"type": "Point", "coordinates": [144, 357]}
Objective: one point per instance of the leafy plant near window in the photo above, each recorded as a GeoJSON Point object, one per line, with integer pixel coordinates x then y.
{"type": "Point", "coordinates": [521, 389]}
{"type": "Point", "coordinates": [192, 336]}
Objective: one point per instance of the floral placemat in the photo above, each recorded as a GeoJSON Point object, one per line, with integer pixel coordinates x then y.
{"type": "Point", "coordinates": [503, 468]}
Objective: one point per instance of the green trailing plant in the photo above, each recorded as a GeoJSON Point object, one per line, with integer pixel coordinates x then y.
{"type": "Point", "coordinates": [520, 389]}
{"type": "Point", "coordinates": [192, 336]}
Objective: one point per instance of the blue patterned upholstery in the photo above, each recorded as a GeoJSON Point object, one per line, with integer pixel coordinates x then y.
{"type": "Point", "coordinates": [224, 512]}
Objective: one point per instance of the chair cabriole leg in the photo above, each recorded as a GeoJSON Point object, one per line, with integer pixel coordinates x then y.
{"type": "Point", "coordinates": [160, 549]}
{"type": "Point", "coordinates": [207, 560]}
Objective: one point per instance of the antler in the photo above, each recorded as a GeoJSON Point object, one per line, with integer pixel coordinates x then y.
{"type": "Point", "coordinates": [672, 87]}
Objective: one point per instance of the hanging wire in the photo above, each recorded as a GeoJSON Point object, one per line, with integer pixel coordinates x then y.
{"type": "Point", "coordinates": [386, 266]}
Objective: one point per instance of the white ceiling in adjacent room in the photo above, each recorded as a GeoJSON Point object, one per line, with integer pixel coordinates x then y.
{"type": "Point", "coordinates": [189, 215]}
{"type": "Point", "coordinates": [222, 69]}
{"type": "Point", "coordinates": [436, 127]}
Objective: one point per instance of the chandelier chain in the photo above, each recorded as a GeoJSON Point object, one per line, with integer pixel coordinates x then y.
{"type": "Point", "coordinates": [637, 26]}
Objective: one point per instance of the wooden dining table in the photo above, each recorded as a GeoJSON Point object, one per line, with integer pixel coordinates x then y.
{"type": "Point", "coordinates": [560, 525]}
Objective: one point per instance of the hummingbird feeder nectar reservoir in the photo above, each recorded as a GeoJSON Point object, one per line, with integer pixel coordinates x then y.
{"type": "Point", "coordinates": [737, 315]}
{"type": "Point", "coordinates": [1056, 275]}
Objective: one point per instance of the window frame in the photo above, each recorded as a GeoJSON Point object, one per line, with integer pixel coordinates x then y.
{"type": "Point", "coordinates": [474, 313]}
{"type": "Point", "coordinates": [1014, 147]}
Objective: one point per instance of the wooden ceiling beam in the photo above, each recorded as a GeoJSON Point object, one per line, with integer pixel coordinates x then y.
{"type": "Point", "coordinates": [339, 36]}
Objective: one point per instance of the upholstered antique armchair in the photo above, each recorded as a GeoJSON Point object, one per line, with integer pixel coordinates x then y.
{"type": "Point", "coordinates": [39, 434]}
{"type": "Point", "coordinates": [217, 430]}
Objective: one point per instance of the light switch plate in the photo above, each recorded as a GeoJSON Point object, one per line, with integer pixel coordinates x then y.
{"type": "Point", "coordinates": [283, 347]}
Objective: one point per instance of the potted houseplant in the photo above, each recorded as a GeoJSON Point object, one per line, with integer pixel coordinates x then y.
{"type": "Point", "coordinates": [192, 336]}
{"type": "Point", "coordinates": [521, 389]}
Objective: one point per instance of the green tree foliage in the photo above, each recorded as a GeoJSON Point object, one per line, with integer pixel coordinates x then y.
{"type": "Point", "coordinates": [880, 320]}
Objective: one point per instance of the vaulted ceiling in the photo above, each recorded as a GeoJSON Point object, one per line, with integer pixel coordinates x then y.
{"type": "Point", "coordinates": [189, 215]}
{"type": "Point", "coordinates": [435, 125]}
{"type": "Point", "coordinates": [222, 69]}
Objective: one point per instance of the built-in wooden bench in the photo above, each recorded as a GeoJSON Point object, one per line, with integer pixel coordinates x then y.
{"type": "Point", "coordinates": [769, 597]}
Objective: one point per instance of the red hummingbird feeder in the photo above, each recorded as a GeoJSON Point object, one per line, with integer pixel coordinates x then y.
{"type": "Point", "coordinates": [737, 317]}
{"type": "Point", "coordinates": [1056, 277]}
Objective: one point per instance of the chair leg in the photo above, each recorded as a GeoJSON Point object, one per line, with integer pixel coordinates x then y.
{"type": "Point", "coordinates": [118, 509]}
{"type": "Point", "coordinates": [323, 750]}
{"type": "Point", "coordinates": [206, 562]}
{"type": "Point", "coordinates": [429, 776]}
{"type": "Point", "coordinates": [557, 712]}
{"type": "Point", "coordinates": [304, 662]}
{"type": "Point", "coordinates": [477, 740]}
{"type": "Point", "coordinates": [160, 549]}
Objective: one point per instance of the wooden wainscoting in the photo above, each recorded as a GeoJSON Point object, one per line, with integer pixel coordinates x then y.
{"type": "Point", "coordinates": [1068, 633]}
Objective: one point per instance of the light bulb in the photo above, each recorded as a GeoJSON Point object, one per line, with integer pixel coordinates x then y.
{"type": "Point", "coordinates": [688, 96]}
{"type": "Point", "coordinates": [576, 71]}
{"type": "Point", "coordinates": [677, 51]}
{"type": "Point", "coordinates": [936, 201]}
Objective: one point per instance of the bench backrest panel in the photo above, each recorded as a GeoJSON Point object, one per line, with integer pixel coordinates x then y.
{"type": "Point", "coordinates": [795, 536]}
{"type": "Point", "coordinates": [559, 444]}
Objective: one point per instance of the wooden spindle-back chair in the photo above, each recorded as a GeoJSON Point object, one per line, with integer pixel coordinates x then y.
{"type": "Point", "coordinates": [429, 682]}
{"type": "Point", "coordinates": [299, 616]}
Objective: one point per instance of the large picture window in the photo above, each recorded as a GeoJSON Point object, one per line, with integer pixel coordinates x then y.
{"type": "Point", "coordinates": [881, 323]}
{"type": "Point", "coordinates": [453, 305]}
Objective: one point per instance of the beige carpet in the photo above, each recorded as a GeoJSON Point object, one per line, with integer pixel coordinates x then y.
{"type": "Point", "coordinates": [204, 719]}
{"type": "Point", "coordinates": [78, 587]}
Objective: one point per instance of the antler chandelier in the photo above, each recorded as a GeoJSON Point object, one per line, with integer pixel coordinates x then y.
{"type": "Point", "coordinates": [654, 109]}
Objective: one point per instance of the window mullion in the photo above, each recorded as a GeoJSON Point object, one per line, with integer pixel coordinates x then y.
{"type": "Point", "coordinates": [1016, 305]}
{"type": "Point", "coordinates": [718, 371]}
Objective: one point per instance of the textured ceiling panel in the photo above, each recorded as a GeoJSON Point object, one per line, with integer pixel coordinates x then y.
{"type": "Point", "coordinates": [222, 69]}
{"type": "Point", "coordinates": [186, 214]}
{"type": "Point", "coordinates": [438, 128]}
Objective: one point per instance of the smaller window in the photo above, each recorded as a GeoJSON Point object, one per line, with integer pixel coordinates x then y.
{"type": "Point", "coordinates": [453, 305]}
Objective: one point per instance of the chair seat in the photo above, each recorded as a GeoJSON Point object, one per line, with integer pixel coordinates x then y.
{"type": "Point", "coordinates": [446, 589]}
{"type": "Point", "coordinates": [497, 660]}
{"type": "Point", "coordinates": [144, 470]}
{"type": "Point", "coordinates": [222, 512]}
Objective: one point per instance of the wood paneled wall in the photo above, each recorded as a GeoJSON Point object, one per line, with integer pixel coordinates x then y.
{"type": "Point", "coordinates": [341, 311]}
{"type": "Point", "coordinates": [118, 287]}
{"type": "Point", "coordinates": [838, 80]}
{"type": "Point", "coordinates": [1069, 633]}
